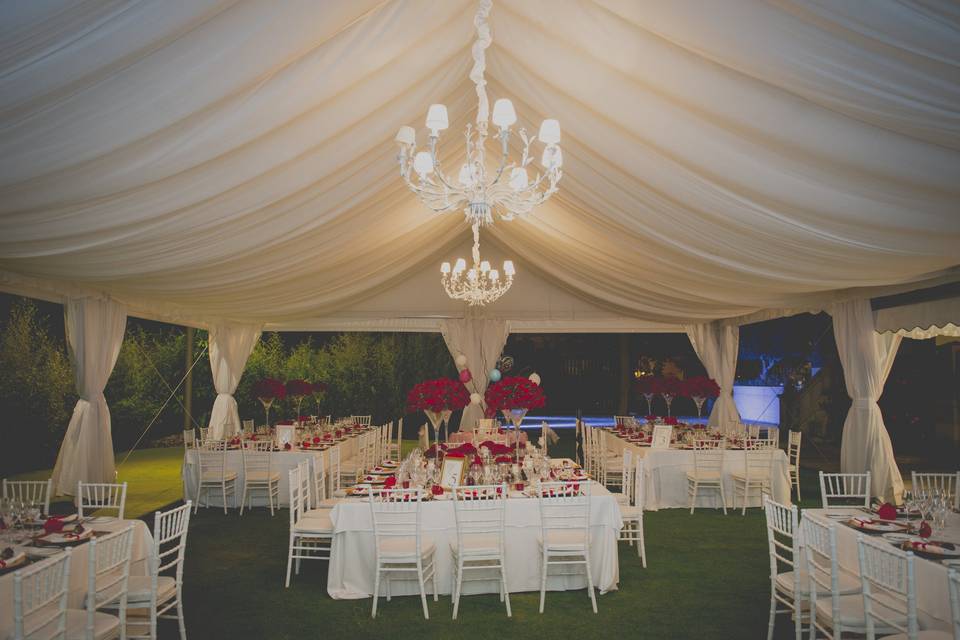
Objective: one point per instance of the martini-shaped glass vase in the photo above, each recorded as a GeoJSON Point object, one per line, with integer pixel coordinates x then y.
{"type": "Point", "coordinates": [516, 417]}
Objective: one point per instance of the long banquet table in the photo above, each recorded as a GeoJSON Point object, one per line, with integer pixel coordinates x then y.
{"type": "Point", "coordinates": [933, 597]}
{"type": "Point", "coordinates": [665, 475]}
{"type": "Point", "coordinates": [281, 461]}
{"type": "Point", "coordinates": [142, 545]}
{"type": "Point", "coordinates": [353, 562]}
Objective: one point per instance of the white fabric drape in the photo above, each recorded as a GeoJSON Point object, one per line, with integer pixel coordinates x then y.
{"type": "Point", "coordinates": [717, 345]}
{"type": "Point", "coordinates": [481, 340]}
{"type": "Point", "coordinates": [209, 161]}
{"type": "Point", "coordinates": [94, 330]}
{"type": "Point", "coordinates": [866, 357]}
{"type": "Point", "coordinates": [230, 346]}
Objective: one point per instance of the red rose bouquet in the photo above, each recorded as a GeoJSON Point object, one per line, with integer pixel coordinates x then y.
{"type": "Point", "coordinates": [437, 395]}
{"type": "Point", "coordinates": [514, 393]}
{"type": "Point", "coordinates": [266, 391]}
{"type": "Point", "coordinates": [700, 388]}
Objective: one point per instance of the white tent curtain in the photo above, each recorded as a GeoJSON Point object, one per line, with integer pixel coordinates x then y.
{"type": "Point", "coordinates": [481, 340]}
{"type": "Point", "coordinates": [230, 346]}
{"type": "Point", "coordinates": [866, 357]}
{"type": "Point", "coordinates": [717, 344]}
{"type": "Point", "coordinates": [94, 329]}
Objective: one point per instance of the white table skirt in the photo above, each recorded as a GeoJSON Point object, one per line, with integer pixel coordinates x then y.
{"type": "Point", "coordinates": [665, 475]}
{"type": "Point", "coordinates": [933, 596]}
{"type": "Point", "coordinates": [280, 461]}
{"type": "Point", "coordinates": [353, 561]}
{"type": "Point", "coordinates": [142, 546]}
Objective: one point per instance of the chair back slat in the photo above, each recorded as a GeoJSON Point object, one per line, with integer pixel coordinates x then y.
{"type": "Point", "coordinates": [840, 489]}
{"type": "Point", "coordinates": [565, 505]}
{"type": "Point", "coordinates": [33, 492]}
{"type": "Point", "coordinates": [170, 539]}
{"type": "Point", "coordinates": [109, 568]}
{"type": "Point", "coordinates": [94, 496]}
{"type": "Point", "coordinates": [396, 513]}
{"type": "Point", "coordinates": [889, 590]}
{"type": "Point", "coordinates": [40, 598]}
{"type": "Point", "coordinates": [480, 511]}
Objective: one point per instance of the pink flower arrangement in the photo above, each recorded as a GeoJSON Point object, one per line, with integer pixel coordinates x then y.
{"type": "Point", "coordinates": [437, 395]}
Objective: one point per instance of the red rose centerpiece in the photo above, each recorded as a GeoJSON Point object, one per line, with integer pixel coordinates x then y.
{"type": "Point", "coordinates": [298, 390]}
{"type": "Point", "coordinates": [437, 398]}
{"type": "Point", "coordinates": [513, 397]}
{"type": "Point", "coordinates": [699, 388]}
{"type": "Point", "coordinates": [266, 391]}
{"type": "Point", "coordinates": [319, 391]}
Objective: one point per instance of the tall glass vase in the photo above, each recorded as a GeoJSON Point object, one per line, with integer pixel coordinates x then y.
{"type": "Point", "coordinates": [699, 400]}
{"type": "Point", "coordinates": [668, 398]}
{"type": "Point", "coordinates": [266, 402]}
{"type": "Point", "coordinates": [516, 417]}
{"type": "Point", "coordinates": [435, 418]}
{"type": "Point", "coordinates": [445, 419]}
{"type": "Point", "coordinates": [649, 399]}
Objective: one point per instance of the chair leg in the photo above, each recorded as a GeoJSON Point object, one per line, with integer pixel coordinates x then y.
{"type": "Point", "coordinates": [773, 613]}
{"type": "Point", "coordinates": [224, 487]}
{"type": "Point", "coordinates": [723, 498]}
{"type": "Point", "coordinates": [180, 621]}
{"type": "Point", "coordinates": [543, 582]}
{"type": "Point", "coordinates": [376, 593]}
{"type": "Point", "coordinates": [693, 497]}
{"type": "Point", "coordinates": [503, 582]}
{"type": "Point", "coordinates": [593, 596]}
{"type": "Point", "coordinates": [246, 493]}
{"type": "Point", "coordinates": [423, 592]}
{"type": "Point", "coordinates": [456, 590]}
{"type": "Point", "coordinates": [289, 559]}
{"type": "Point", "coordinates": [746, 496]}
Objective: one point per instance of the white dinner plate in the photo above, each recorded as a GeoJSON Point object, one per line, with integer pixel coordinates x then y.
{"type": "Point", "coordinates": [897, 538]}
{"type": "Point", "coordinates": [100, 519]}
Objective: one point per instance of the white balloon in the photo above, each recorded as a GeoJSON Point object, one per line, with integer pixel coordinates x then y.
{"type": "Point", "coordinates": [461, 360]}
{"type": "Point", "coordinates": [475, 398]}
{"type": "Point", "coordinates": [535, 378]}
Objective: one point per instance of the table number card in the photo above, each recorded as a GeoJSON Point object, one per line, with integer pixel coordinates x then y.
{"type": "Point", "coordinates": [286, 434]}
{"type": "Point", "coordinates": [451, 473]}
{"type": "Point", "coordinates": [662, 434]}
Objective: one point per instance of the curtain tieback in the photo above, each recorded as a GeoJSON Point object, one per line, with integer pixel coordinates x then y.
{"type": "Point", "coordinates": [863, 403]}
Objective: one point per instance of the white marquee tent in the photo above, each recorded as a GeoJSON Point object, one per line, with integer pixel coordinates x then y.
{"type": "Point", "coordinates": [230, 164]}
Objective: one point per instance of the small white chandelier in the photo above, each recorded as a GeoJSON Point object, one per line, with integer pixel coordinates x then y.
{"type": "Point", "coordinates": [480, 284]}
{"type": "Point", "coordinates": [479, 189]}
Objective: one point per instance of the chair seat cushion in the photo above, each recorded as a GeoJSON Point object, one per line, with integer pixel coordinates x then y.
{"type": "Point", "coordinates": [739, 477]}
{"type": "Point", "coordinates": [394, 548]}
{"type": "Point", "coordinates": [477, 544]}
{"type": "Point", "coordinates": [848, 584]}
{"type": "Point", "coordinates": [565, 540]}
{"type": "Point", "coordinates": [104, 625]}
{"type": "Point", "coordinates": [621, 498]}
{"type": "Point", "coordinates": [315, 521]}
{"type": "Point", "coordinates": [852, 615]}
{"type": "Point", "coordinates": [211, 476]}
{"type": "Point", "coordinates": [262, 476]}
{"type": "Point", "coordinates": [630, 512]}
{"type": "Point", "coordinates": [138, 589]}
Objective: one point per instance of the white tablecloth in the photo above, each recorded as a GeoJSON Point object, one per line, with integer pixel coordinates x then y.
{"type": "Point", "coordinates": [933, 596]}
{"type": "Point", "coordinates": [665, 475]}
{"type": "Point", "coordinates": [459, 437]}
{"type": "Point", "coordinates": [353, 561]}
{"type": "Point", "coordinates": [142, 545]}
{"type": "Point", "coordinates": [281, 461]}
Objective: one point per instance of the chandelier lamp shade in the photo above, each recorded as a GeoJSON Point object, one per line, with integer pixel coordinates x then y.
{"type": "Point", "coordinates": [482, 185]}
{"type": "Point", "coordinates": [479, 284]}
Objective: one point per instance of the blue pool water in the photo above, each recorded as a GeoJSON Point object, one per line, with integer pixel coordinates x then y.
{"type": "Point", "coordinates": [570, 422]}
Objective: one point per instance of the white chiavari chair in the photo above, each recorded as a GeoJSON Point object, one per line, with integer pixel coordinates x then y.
{"type": "Point", "coordinates": [613, 463]}
{"type": "Point", "coordinates": [889, 594]}
{"type": "Point", "coordinates": [355, 467]}
{"type": "Point", "coordinates": [161, 590]}
{"type": "Point", "coordinates": [203, 433]}
{"type": "Point", "coordinates": [108, 571]}
{"type": "Point", "coordinates": [96, 496]}
{"type": "Point", "coordinates": [793, 457]}
{"type": "Point", "coordinates": [586, 439]}
{"type": "Point", "coordinates": [34, 492]}
{"type": "Point", "coordinates": [362, 420]}
{"type": "Point", "coordinates": [625, 496]}
{"type": "Point", "coordinates": [258, 473]}
{"type": "Point", "coordinates": [757, 475]}
{"type": "Point", "coordinates": [839, 489]}
{"type": "Point", "coordinates": [948, 483]}
{"type": "Point", "coordinates": [565, 531]}
{"type": "Point", "coordinates": [596, 449]}
{"type": "Point", "coordinates": [213, 474]}
{"type": "Point", "coordinates": [480, 512]}
{"type": "Point", "coordinates": [390, 450]}
{"type": "Point", "coordinates": [631, 513]}
{"type": "Point", "coordinates": [310, 537]}
{"type": "Point", "coordinates": [336, 479]}
{"type": "Point", "coordinates": [40, 598]}
{"type": "Point", "coordinates": [621, 421]}
{"type": "Point", "coordinates": [707, 474]}
{"type": "Point", "coordinates": [835, 610]}
{"type": "Point", "coordinates": [786, 587]}
{"type": "Point", "coordinates": [401, 548]}
{"type": "Point", "coordinates": [752, 431]}
{"type": "Point", "coordinates": [189, 439]}
{"type": "Point", "coordinates": [319, 498]}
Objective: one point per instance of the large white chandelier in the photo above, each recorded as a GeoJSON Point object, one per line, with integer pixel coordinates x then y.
{"type": "Point", "coordinates": [480, 189]}
{"type": "Point", "coordinates": [480, 284]}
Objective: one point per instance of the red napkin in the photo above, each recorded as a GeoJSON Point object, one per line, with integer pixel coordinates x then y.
{"type": "Point", "coordinates": [887, 512]}
{"type": "Point", "coordinates": [454, 454]}
{"type": "Point", "coordinates": [925, 530]}
{"type": "Point", "coordinates": [53, 525]}
{"type": "Point", "coordinates": [437, 490]}
{"type": "Point", "coordinates": [390, 482]}
{"type": "Point", "coordinates": [287, 446]}
{"type": "Point", "coordinates": [316, 439]}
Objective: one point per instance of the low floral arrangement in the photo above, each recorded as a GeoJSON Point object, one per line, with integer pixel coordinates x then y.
{"type": "Point", "coordinates": [513, 393]}
{"type": "Point", "coordinates": [437, 395]}
{"type": "Point", "coordinates": [269, 389]}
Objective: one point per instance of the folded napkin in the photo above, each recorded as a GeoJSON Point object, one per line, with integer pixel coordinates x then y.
{"type": "Point", "coordinates": [390, 482]}
{"type": "Point", "coordinates": [887, 512]}
{"type": "Point", "coordinates": [455, 454]}
{"type": "Point", "coordinates": [53, 524]}
{"type": "Point", "coordinates": [925, 530]}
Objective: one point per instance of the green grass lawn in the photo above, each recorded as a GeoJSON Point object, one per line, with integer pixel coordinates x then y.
{"type": "Point", "coordinates": [708, 577]}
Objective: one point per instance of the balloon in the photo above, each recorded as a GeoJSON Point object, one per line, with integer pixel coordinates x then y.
{"type": "Point", "coordinates": [535, 378]}
{"type": "Point", "coordinates": [461, 360]}
{"type": "Point", "coordinates": [465, 376]}
{"type": "Point", "coordinates": [495, 375]}
{"type": "Point", "coordinates": [475, 398]}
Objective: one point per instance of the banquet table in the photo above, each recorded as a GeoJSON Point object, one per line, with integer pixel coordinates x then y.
{"type": "Point", "coordinates": [460, 437]}
{"type": "Point", "coordinates": [353, 561]}
{"type": "Point", "coordinates": [280, 461]}
{"type": "Point", "coordinates": [665, 476]}
{"type": "Point", "coordinates": [142, 546]}
{"type": "Point", "coordinates": [933, 596]}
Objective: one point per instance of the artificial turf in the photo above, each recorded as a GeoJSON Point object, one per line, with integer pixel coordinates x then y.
{"type": "Point", "coordinates": [707, 577]}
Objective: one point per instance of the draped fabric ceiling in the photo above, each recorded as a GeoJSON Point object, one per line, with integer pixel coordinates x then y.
{"type": "Point", "coordinates": [205, 162]}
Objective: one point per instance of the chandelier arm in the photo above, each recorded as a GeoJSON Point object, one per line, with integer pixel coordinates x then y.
{"type": "Point", "coordinates": [437, 170]}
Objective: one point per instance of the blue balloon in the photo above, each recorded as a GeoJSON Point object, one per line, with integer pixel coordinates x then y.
{"type": "Point", "coordinates": [495, 375]}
